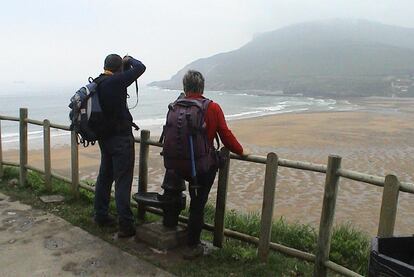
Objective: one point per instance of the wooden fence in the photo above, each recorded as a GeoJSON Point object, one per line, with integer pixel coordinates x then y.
{"type": "Point", "coordinates": [392, 187]}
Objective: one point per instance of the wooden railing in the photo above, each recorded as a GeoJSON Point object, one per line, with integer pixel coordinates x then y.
{"type": "Point", "coordinates": [392, 187]}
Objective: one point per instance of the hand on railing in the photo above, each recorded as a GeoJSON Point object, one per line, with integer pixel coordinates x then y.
{"type": "Point", "coordinates": [245, 154]}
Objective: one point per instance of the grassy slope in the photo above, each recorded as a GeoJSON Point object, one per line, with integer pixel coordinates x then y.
{"type": "Point", "coordinates": [349, 247]}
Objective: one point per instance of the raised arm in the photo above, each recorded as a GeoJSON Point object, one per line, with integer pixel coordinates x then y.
{"type": "Point", "coordinates": [133, 68]}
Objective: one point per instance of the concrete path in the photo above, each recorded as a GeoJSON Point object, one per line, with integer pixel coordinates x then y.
{"type": "Point", "coordinates": [36, 243]}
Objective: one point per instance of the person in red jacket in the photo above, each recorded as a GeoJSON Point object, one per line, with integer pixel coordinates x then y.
{"type": "Point", "coordinates": [193, 83]}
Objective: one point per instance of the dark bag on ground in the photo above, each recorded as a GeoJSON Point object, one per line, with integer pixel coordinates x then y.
{"type": "Point", "coordinates": [185, 118]}
{"type": "Point", "coordinates": [391, 257]}
{"type": "Point", "coordinates": [86, 116]}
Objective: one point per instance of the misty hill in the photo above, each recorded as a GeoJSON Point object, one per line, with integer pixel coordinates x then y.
{"type": "Point", "coordinates": [332, 58]}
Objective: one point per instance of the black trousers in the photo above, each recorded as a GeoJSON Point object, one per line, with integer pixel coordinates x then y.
{"type": "Point", "coordinates": [117, 164]}
{"type": "Point", "coordinates": [173, 187]}
{"type": "Point", "coordinates": [197, 205]}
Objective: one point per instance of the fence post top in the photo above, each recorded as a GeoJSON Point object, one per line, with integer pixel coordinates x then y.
{"type": "Point", "coordinates": [334, 156]}
{"type": "Point", "coordinates": [145, 132]}
{"type": "Point", "coordinates": [391, 177]}
{"type": "Point", "coordinates": [271, 156]}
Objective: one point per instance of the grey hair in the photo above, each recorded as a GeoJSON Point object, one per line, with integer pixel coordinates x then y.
{"type": "Point", "coordinates": [193, 81]}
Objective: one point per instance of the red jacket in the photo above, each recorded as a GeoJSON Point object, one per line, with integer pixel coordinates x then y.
{"type": "Point", "coordinates": [216, 123]}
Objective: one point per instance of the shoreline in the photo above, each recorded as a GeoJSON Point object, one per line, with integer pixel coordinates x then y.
{"type": "Point", "coordinates": [60, 139]}
{"type": "Point", "coordinates": [56, 134]}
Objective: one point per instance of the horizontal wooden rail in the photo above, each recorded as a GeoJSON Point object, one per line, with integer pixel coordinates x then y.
{"type": "Point", "coordinates": [35, 169]}
{"type": "Point", "coordinates": [62, 178]}
{"type": "Point", "coordinates": [89, 187]}
{"type": "Point", "coordinates": [68, 180]}
{"type": "Point", "coordinates": [249, 158]}
{"type": "Point", "coordinates": [407, 187]}
{"type": "Point", "coordinates": [11, 164]}
{"type": "Point", "coordinates": [9, 118]}
{"type": "Point", "coordinates": [35, 122]}
{"type": "Point", "coordinates": [341, 270]}
{"type": "Point", "coordinates": [356, 176]}
{"type": "Point", "coordinates": [59, 126]}
{"type": "Point", "coordinates": [303, 165]}
{"type": "Point", "coordinates": [373, 180]}
{"type": "Point", "coordinates": [292, 252]}
{"type": "Point", "coordinates": [155, 143]}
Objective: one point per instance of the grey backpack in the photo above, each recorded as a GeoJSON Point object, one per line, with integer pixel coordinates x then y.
{"type": "Point", "coordinates": [86, 115]}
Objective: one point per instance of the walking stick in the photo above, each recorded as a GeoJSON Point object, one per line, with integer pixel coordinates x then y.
{"type": "Point", "coordinates": [194, 182]}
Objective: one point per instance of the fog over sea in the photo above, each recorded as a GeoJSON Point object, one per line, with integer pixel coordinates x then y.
{"type": "Point", "coordinates": [151, 110]}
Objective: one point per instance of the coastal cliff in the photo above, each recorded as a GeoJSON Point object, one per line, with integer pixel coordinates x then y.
{"type": "Point", "coordinates": [333, 58]}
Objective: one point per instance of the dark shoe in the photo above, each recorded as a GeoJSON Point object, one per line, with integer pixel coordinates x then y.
{"type": "Point", "coordinates": [126, 230]}
{"type": "Point", "coordinates": [193, 252]}
{"type": "Point", "coordinates": [107, 221]}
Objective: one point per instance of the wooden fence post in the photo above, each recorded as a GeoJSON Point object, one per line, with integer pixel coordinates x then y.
{"type": "Point", "coordinates": [223, 180]}
{"type": "Point", "coordinates": [267, 206]}
{"type": "Point", "coordinates": [389, 206]}
{"type": "Point", "coordinates": [75, 164]}
{"type": "Point", "coordinates": [23, 146]}
{"type": "Point", "coordinates": [327, 216]}
{"type": "Point", "coordinates": [1, 156]}
{"type": "Point", "coordinates": [46, 154]}
{"type": "Point", "coordinates": [143, 169]}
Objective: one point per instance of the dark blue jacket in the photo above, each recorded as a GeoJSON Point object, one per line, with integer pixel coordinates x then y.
{"type": "Point", "coordinates": [113, 95]}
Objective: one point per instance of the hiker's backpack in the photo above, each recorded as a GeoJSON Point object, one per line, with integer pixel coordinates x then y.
{"type": "Point", "coordinates": [86, 115]}
{"type": "Point", "coordinates": [185, 118]}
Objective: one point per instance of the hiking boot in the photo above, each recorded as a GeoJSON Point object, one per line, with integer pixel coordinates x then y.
{"type": "Point", "coordinates": [193, 252]}
{"type": "Point", "coordinates": [106, 221]}
{"type": "Point", "coordinates": [126, 230]}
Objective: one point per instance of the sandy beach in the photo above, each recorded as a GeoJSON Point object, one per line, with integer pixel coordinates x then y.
{"type": "Point", "coordinates": [377, 138]}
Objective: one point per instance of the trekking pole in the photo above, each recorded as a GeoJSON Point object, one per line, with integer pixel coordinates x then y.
{"type": "Point", "coordinates": [193, 166]}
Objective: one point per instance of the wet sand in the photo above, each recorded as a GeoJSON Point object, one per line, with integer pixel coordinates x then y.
{"type": "Point", "coordinates": [377, 139]}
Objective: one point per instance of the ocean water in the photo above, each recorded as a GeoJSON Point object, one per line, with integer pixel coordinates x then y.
{"type": "Point", "coordinates": [151, 110]}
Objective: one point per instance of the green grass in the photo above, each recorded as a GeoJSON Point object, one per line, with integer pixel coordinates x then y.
{"type": "Point", "coordinates": [349, 247]}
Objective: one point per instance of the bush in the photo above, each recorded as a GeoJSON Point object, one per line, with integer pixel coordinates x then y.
{"type": "Point", "coordinates": [350, 248]}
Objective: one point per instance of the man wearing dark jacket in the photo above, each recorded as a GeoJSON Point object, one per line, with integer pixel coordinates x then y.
{"type": "Point", "coordinates": [117, 143]}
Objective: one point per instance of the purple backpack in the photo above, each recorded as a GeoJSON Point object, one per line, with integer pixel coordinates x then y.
{"type": "Point", "coordinates": [185, 118]}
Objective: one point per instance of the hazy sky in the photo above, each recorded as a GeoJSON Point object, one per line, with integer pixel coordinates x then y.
{"type": "Point", "coordinates": [54, 42]}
